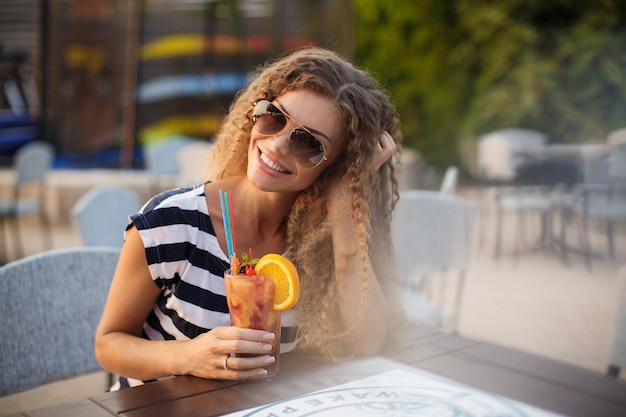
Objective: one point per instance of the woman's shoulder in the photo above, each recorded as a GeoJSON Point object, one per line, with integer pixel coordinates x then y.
{"type": "Point", "coordinates": [183, 198]}
{"type": "Point", "coordinates": [174, 207]}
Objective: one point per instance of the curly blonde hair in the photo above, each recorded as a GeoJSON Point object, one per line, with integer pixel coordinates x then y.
{"type": "Point", "coordinates": [366, 112]}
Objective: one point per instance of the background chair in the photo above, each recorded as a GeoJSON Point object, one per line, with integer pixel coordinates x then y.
{"type": "Point", "coordinates": [51, 304]}
{"type": "Point", "coordinates": [102, 214]}
{"type": "Point", "coordinates": [524, 202]}
{"type": "Point", "coordinates": [595, 175]}
{"type": "Point", "coordinates": [192, 162]}
{"type": "Point", "coordinates": [600, 198]}
{"type": "Point", "coordinates": [617, 359]}
{"type": "Point", "coordinates": [161, 161]}
{"type": "Point", "coordinates": [617, 163]}
{"type": "Point", "coordinates": [502, 157]}
{"type": "Point", "coordinates": [501, 153]}
{"type": "Point", "coordinates": [32, 162]}
{"type": "Point", "coordinates": [616, 136]}
{"type": "Point", "coordinates": [433, 235]}
{"type": "Point", "coordinates": [450, 180]}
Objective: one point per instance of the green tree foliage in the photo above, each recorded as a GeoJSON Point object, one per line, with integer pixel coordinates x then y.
{"type": "Point", "coordinates": [459, 68]}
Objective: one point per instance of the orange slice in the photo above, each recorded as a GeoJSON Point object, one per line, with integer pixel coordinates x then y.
{"type": "Point", "coordinates": [287, 288]}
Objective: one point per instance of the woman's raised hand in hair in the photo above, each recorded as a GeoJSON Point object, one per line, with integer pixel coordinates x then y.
{"type": "Point", "coordinates": [385, 148]}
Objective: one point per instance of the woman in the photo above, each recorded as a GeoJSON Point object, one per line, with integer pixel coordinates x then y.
{"type": "Point", "coordinates": [306, 151]}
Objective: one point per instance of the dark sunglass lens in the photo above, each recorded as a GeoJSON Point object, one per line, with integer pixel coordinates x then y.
{"type": "Point", "coordinates": [306, 147]}
{"type": "Point", "coordinates": [267, 118]}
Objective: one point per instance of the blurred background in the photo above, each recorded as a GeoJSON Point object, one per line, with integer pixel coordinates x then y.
{"type": "Point", "coordinates": [100, 79]}
{"type": "Point", "coordinates": [517, 106]}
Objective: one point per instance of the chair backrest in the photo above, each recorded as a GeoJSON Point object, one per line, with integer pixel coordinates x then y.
{"type": "Point", "coordinates": [616, 136]}
{"type": "Point", "coordinates": [50, 304]}
{"type": "Point", "coordinates": [433, 237]}
{"type": "Point", "coordinates": [192, 162]}
{"type": "Point", "coordinates": [617, 161]}
{"type": "Point", "coordinates": [617, 359]}
{"type": "Point", "coordinates": [500, 153]}
{"type": "Point", "coordinates": [595, 165]}
{"type": "Point", "coordinates": [450, 180]}
{"type": "Point", "coordinates": [161, 157]}
{"type": "Point", "coordinates": [102, 214]}
{"type": "Point", "coordinates": [32, 162]}
{"type": "Point", "coordinates": [432, 231]}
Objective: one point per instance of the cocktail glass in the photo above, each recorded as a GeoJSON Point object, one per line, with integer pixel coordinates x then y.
{"type": "Point", "coordinates": [251, 305]}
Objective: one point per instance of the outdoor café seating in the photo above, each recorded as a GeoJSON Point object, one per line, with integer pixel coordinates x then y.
{"type": "Point", "coordinates": [102, 213]}
{"type": "Point", "coordinates": [52, 302]}
{"type": "Point", "coordinates": [161, 161]}
{"type": "Point", "coordinates": [433, 237]}
{"type": "Point", "coordinates": [27, 194]}
{"type": "Point", "coordinates": [565, 187]}
{"type": "Point", "coordinates": [598, 200]}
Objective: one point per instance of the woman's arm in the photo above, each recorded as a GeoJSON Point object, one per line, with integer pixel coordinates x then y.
{"type": "Point", "coordinates": [121, 349]}
{"type": "Point", "coordinates": [370, 327]}
{"type": "Point", "coordinates": [368, 323]}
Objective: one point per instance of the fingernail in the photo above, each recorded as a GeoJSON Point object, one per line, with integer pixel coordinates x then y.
{"type": "Point", "coordinates": [268, 336]}
{"type": "Point", "coordinates": [267, 348]}
{"type": "Point", "coordinates": [261, 372]}
{"type": "Point", "coordinates": [269, 359]}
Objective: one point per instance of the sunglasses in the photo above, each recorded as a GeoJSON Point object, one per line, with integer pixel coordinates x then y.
{"type": "Point", "coordinates": [306, 148]}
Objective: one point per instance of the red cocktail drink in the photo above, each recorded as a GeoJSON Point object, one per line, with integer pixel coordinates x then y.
{"type": "Point", "coordinates": [251, 305]}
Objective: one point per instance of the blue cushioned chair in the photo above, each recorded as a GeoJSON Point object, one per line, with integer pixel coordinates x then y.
{"type": "Point", "coordinates": [50, 305]}
{"type": "Point", "coordinates": [102, 214]}
{"type": "Point", "coordinates": [31, 164]}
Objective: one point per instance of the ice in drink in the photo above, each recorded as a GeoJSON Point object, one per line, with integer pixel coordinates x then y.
{"type": "Point", "coordinates": [251, 305]}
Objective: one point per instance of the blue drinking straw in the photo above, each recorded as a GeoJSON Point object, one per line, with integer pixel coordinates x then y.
{"type": "Point", "coordinates": [231, 218]}
{"type": "Point", "coordinates": [226, 219]}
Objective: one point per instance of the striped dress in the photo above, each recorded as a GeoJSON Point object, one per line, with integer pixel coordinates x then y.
{"type": "Point", "coordinates": [187, 263]}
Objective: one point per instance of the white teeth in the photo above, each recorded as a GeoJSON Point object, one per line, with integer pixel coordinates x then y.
{"type": "Point", "coordinates": [271, 164]}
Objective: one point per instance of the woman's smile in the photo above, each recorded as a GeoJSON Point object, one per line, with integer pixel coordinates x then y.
{"type": "Point", "coordinates": [270, 164]}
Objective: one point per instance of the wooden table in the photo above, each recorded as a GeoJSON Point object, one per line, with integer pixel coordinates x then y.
{"type": "Point", "coordinates": [543, 383]}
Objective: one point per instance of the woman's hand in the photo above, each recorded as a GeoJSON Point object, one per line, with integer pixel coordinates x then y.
{"type": "Point", "coordinates": [209, 354]}
{"type": "Point", "coordinates": [339, 196]}
{"type": "Point", "coordinates": [384, 150]}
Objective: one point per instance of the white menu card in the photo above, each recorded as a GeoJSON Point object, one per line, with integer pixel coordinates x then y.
{"type": "Point", "coordinates": [397, 393]}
